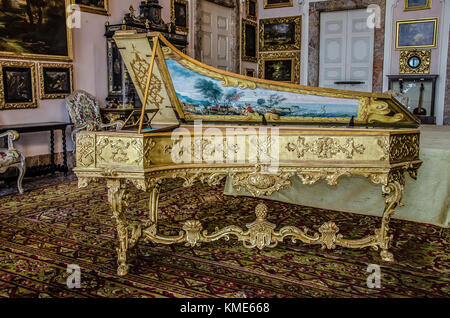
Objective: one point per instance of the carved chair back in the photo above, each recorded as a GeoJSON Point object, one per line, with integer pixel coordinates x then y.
{"type": "Point", "coordinates": [83, 109]}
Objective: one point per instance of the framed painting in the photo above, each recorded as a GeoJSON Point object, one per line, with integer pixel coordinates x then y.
{"type": "Point", "coordinates": [93, 6]}
{"type": "Point", "coordinates": [36, 30]}
{"type": "Point", "coordinates": [250, 72]}
{"type": "Point", "coordinates": [249, 50]}
{"type": "Point", "coordinates": [55, 80]}
{"type": "Point", "coordinates": [280, 34]}
{"type": "Point", "coordinates": [412, 5]}
{"type": "Point", "coordinates": [269, 4]}
{"type": "Point", "coordinates": [180, 15]}
{"type": "Point", "coordinates": [17, 85]}
{"type": "Point", "coordinates": [420, 33]}
{"type": "Point", "coordinates": [280, 66]}
{"type": "Point", "coordinates": [251, 7]}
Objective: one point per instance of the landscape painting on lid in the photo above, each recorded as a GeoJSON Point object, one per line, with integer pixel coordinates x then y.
{"type": "Point", "coordinates": [202, 95]}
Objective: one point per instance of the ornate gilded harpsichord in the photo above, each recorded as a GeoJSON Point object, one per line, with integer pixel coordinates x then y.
{"type": "Point", "coordinates": [203, 124]}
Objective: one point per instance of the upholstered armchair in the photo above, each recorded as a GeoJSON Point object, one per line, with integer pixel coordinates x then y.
{"type": "Point", "coordinates": [84, 112]}
{"type": "Point", "coordinates": [10, 157]}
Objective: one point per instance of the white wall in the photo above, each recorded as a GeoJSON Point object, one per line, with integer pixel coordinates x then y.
{"type": "Point", "coordinates": [90, 74]}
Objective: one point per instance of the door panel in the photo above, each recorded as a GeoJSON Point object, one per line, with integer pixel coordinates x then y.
{"type": "Point", "coordinates": [346, 44]}
{"type": "Point", "coordinates": [332, 48]}
{"type": "Point", "coordinates": [217, 35]}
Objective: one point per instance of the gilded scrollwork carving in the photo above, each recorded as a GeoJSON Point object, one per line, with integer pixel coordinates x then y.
{"type": "Point", "coordinates": [259, 183]}
{"type": "Point", "coordinates": [422, 68]}
{"type": "Point", "coordinates": [329, 235]}
{"type": "Point", "coordinates": [119, 149]}
{"type": "Point", "coordinates": [404, 147]}
{"type": "Point", "coordinates": [83, 182]}
{"type": "Point", "coordinates": [325, 147]}
{"type": "Point", "coordinates": [373, 110]}
{"type": "Point", "coordinates": [330, 175]}
{"type": "Point", "coordinates": [123, 150]}
{"type": "Point", "coordinates": [210, 178]}
{"type": "Point", "coordinates": [383, 143]}
{"type": "Point", "coordinates": [144, 152]}
{"type": "Point", "coordinates": [116, 193]}
{"type": "Point", "coordinates": [85, 150]}
{"type": "Point", "coordinates": [393, 193]}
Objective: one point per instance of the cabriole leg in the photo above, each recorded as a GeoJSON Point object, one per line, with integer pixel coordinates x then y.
{"type": "Point", "coordinates": [393, 193]}
{"type": "Point", "coordinates": [153, 204]}
{"type": "Point", "coordinates": [116, 193]}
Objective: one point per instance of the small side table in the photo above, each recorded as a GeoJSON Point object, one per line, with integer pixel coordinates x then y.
{"type": "Point", "coordinates": [420, 89]}
{"type": "Point", "coordinates": [39, 127]}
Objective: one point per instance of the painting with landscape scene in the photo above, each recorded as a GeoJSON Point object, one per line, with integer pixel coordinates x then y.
{"type": "Point", "coordinates": [34, 29]}
{"type": "Point", "coordinates": [416, 33]}
{"type": "Point", "coordinates": [280, 34]}
{"type": "Point", "coordinates": [206, 96]}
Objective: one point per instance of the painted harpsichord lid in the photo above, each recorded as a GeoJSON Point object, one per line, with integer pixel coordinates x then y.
{"type": "Point", "coordinates": [184, 89]}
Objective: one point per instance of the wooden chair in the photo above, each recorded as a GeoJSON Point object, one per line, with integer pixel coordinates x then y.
{"type": "Point", "coordinates": [84, 112]}
{"type": "Point", "coordinates": [10, 157]}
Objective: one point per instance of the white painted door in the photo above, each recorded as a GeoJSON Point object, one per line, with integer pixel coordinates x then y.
{"type": "Point", "coordinates": [346, 50]}
{"type": "Point", "coordinates": [217, 33]}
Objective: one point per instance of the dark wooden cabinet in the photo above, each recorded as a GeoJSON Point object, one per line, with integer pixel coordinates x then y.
{"type": "Point", "coordinates": [121, 91]}
{"type": "Point", "coordinates": [420, 90]}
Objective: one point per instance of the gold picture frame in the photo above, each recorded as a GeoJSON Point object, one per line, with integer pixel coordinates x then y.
{"type": "Point", "coordinates": [175, 20]}
{"type": "Point", "coordinates": [422, 56]}
{"type": "Point", "coordinates": [246, 41]}
{"type": "Point", "coordinates": [407, 7]}
{"type": "Point", "coordinates": [46, 92]}
{"type": "Point", "coordinates": [251, 9]}
{"type": "Point", "coordinates": [40, 56]}
{"type": "Point", "coordinates": [270, 57]}
{"type": "Point", "coordinates": [401, 40]}
{"type": "Point", "coordinates": [278, 4]}
{"type": "Point", "coordinates": [266, 27]}
{"type": "Point", "coordinates": [11, 93]}
{"type": "Point", "coordinates": [93, 9]}
{"type": "Point", "coordinates": [250, 72]}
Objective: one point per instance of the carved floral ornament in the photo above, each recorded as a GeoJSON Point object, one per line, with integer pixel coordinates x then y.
{"type": "Point", "coordinates": [325, 147]}
{"type": "Point", "coordinates": [404, 147]}
{"type": "Point", "coordinates": [85, 150]}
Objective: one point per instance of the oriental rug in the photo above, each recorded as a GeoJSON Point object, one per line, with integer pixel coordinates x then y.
{"type": "Point", "coordinates": [46, 229]}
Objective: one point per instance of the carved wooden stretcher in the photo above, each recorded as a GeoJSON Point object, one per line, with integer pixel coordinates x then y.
{"type": "Point", "coordinates": [383, 146]}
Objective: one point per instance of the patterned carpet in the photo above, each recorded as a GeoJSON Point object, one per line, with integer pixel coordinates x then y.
{"type": "Point", "coordinates": [47, 228]}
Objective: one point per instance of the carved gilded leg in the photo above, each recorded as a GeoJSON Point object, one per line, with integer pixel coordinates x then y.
{"type": "Point", "coordinates": [153, 204]}
{"type": "Point", "coordinates": [116, 193]}
{"type": "Point", "coordinates": [393, 193]}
